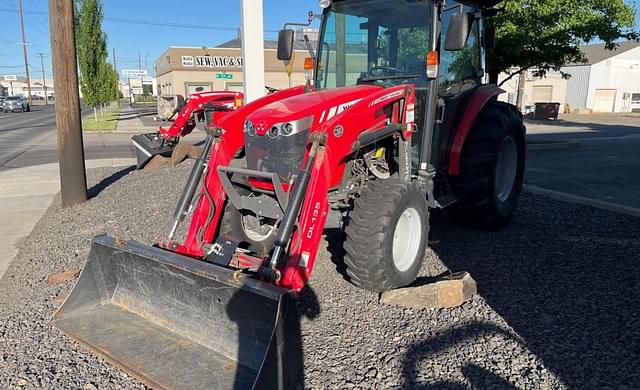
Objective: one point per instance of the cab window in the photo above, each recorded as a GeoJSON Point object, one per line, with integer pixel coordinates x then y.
{"type": "Point", "coordinates": [459, 70]}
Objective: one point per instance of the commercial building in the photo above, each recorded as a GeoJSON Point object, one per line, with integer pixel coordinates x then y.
{"type": "Point", "coordinates": [552, 88]}
{"type": "Point", "coordinates": [185, 70]}
{"type": "Point", "coordinates": [19, 87]}
{"type": "Point", "coordinates": [609, 81]}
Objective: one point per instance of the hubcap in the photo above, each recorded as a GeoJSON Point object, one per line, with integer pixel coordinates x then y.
{"type": "Point", "coordinates": [506, 169]}
{"type": "Point", "coordinates": [406, 239]}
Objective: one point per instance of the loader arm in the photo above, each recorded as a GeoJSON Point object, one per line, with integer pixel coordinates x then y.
{"type": "Point", "coordinates": [185, 121]}
{"type": "Point", "coordinates": [365, 120]}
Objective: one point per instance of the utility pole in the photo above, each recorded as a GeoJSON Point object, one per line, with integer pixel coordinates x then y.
{"type": "Point", "coordinates": [521, 82]}
{"type": "Point", "coordinates": [115, 66]}
{"type": "Point", "coordinates": [139, 61]}
{"type": "Point", "coordinates": [44, 80]}
{"type": "Point", "coordinates": [73, 180]}
{"type": "Point", "coordinates": [253, 49]}
{"type": "Point", "coordinates": [24, 48]}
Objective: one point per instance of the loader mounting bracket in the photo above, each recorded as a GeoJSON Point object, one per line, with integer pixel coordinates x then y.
{"type": "Point", "coordinates": [264, 206]}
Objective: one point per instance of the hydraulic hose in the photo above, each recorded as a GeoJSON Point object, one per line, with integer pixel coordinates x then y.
{"type": "Point", "coordinates": [190, 188]}
{"type": "Point", "coordinates": [291, 215]}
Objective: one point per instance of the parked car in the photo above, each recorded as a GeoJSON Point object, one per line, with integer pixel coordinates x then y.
{"type": "Point", "coordinates": [16, 103]}
{"type": "Point", "coordinates": [2, 98]}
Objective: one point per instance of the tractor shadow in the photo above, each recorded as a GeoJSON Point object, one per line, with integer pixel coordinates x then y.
{"type": "Point", "coordinates": [565, 278]}
{"type": "Point", "coordinates": [335, 239]}
{"type": "Point", "coordinates": [285, 358]}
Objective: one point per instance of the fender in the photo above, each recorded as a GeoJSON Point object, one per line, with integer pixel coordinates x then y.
{"type": "Point", "coordinates": [477, 101]}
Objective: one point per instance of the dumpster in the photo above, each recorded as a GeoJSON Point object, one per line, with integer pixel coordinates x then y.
{"type": "Point", "coordinates": [546, 111]}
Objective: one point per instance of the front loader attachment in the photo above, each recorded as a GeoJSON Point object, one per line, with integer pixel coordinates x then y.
{"type": "Point", "coordinates": [179, 323]}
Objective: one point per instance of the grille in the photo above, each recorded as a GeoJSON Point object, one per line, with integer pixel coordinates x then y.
{"type": "Point", "coordinates": [281, 155]}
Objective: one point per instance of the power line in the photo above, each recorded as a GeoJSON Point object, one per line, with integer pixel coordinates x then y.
{"type": "Point", "coordinates": [147, 22]}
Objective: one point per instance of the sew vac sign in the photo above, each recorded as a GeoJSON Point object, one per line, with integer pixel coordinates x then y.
{"type": "Point", "coordinates": [212, 61]}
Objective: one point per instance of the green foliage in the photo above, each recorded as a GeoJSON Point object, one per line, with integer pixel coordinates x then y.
{"type": "Point", "coordinates": [547, 34]}
{"type": "Point", "coordinates": [98, 78]}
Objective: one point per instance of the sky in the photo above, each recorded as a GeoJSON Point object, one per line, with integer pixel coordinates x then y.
{"type": "Point", "coordinates": [140, 28]}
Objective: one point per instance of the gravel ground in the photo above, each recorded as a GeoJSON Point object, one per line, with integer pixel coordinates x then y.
{"type": "Point", "coordinates": [557, 305]}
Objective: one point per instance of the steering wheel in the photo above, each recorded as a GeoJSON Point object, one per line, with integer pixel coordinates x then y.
{"type": "Point", "coordinates": [378, 71]}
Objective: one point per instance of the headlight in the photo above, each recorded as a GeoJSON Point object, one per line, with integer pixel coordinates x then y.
{"type": "Point", "coordinates": [287, 129]}
{"type": "Point", "coordinates": [249, 128]}
{"type": "Point", "coordinates": [273, 132]}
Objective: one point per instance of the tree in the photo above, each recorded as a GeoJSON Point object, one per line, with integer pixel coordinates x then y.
{"type": "Point", "coordinates": [546, 35]}
{"type": "Point", "coordinates": [109, 77]}
{"type": "Point", "coordinates": [91, 45]}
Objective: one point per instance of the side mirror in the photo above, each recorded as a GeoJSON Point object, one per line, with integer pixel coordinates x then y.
{"type": "Point", "coordinates": [489, 37]}
{"type": "Point", "coordinates": [458, 32]}
{"type": "Point", "coordinates": [285, 44]}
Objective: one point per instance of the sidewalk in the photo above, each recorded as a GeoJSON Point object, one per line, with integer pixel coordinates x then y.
{"type": "Point", "coordinates": [25, 195]}
{"type": "Point", "coordinates": [130, 121]}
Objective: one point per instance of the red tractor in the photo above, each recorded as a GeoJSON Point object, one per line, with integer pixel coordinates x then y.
{"type": "Point", "coordinates": [394, 121]}
{"type": "Point", "coordinates": [162, 142]}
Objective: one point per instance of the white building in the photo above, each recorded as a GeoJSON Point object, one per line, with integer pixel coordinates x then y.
{"type": "Point", "coordinates": [608, 82]}
{"type": "Point", "coordinates": [19, 87]}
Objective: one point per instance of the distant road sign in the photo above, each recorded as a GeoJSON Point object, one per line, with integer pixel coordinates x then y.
{"type": "Point", "coordinates": [137, 90]}
{"type": "Point", "coordinates": [147, 81]}
{"type": "Point", "coordinates": [134, 72]}
{"type": "Point", "coordinates": [224, 76]}
{"type": "Point", "coordinates": [10, 78]}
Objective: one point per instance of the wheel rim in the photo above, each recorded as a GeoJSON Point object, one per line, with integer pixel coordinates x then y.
{"type": "Point", "coordinates": [257, 235]}
{"type": "Point", "coordinates": [506, 169]}
{"type": "Point", "coordinates": [406, 239]}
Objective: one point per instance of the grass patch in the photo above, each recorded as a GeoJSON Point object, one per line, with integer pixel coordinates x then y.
{"type": "Point", "coordinates": [106, 122]}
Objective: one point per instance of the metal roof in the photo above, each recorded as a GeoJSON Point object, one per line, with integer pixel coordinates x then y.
{"type": "Point", "coordinates": [597, 53]}
{"type": "Point", "coordinates": [236, 43]}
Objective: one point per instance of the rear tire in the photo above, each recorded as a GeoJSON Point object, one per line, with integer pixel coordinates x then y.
{"type": "Point", "coordinates": [492, 169]}
{"type": "Point", "coordinates": [387, 235]}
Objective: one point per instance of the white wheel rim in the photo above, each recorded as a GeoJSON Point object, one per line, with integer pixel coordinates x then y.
{"type": "Point", "coordinates": [407, 238]}
{"type": "Point", "coordinates": [506, 169]}
{"type": "Point", "coordinates": [256, 236]}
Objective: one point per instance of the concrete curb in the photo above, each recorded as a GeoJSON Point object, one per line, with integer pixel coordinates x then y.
{"type": "Point", "coordinates": [553, 145]}
{"type": "Point", "coordinates": [569, 198]}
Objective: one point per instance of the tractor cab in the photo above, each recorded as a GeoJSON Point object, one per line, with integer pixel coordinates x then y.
{"type": "Point", "coordinates": [433, 45]}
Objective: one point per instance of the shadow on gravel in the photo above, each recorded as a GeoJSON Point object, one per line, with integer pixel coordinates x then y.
{"type": "Point", "coordinates": [287, 338]}
{"type": "Point", "coordinates": [478, 377]}
{"type": "Point", "coordinates": [565, 278]}
{"type": "Point", "coordinates": [107, 181]}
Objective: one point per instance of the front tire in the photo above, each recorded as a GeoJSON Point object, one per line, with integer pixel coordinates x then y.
{"type": "Point", "coordinates": [234, 226]}
{"type": "Point", "coordinates": [387, 235]}
{"type": "Point", "coordinates": [492, 169]}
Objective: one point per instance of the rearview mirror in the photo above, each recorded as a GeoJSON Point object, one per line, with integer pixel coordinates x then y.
{"type": "Point", "coordinates": [285, 44]}
{"type": "Point", "coordinates": [458, 32]}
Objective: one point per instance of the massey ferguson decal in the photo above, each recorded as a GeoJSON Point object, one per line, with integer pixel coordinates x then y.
{"type": "Point", "coordinates": [387, 97]}
{"type": "Point", "coordinates": [335, 110]}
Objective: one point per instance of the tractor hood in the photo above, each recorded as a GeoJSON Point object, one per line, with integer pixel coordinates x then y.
{"type": "Point", "coordinates": [319, 105]}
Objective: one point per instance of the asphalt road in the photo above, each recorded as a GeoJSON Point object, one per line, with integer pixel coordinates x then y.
{"type": "Point", "coordinates": [30, 138]}
{"type": "Point", "coordinates": [601, 160]}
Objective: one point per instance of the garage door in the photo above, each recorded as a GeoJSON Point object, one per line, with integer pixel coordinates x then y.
{"type": "Point", "coordinates": [604, 100]}
{"type": "Point", "coordinates": [542, 94]}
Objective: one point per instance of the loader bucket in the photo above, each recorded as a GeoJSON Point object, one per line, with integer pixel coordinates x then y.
{"type": "Point", "coordinates": [179, 323]}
